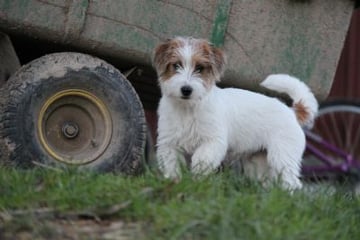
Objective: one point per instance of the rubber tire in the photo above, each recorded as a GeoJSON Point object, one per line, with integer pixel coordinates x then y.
{"type": "Point", "coordinates": [26, 91]}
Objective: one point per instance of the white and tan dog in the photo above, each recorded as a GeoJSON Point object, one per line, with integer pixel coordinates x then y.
{"type": "Point", "coordinates": [198, 119]}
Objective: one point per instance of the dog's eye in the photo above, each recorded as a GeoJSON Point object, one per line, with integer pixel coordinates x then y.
{"type": "Point", "coordinates": [199, 68]}
{"type": "Point", "coordinates": [176, 66]}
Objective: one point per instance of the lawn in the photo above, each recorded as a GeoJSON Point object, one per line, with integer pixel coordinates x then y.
{"type": "Point", "coordinates": [47, 204]}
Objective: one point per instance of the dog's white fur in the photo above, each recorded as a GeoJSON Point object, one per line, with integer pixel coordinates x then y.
{"type": "Point", "coordinates": [212, 124]}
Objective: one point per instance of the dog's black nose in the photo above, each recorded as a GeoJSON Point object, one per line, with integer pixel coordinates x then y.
{"type": "Point", "coordinates": [186, 91]}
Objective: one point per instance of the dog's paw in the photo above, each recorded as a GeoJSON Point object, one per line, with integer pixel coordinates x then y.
{"type": "Point", "coordinates": [294, 184]}
{"type": "Point", "coordinates": [172, 175]}
{"type": "Point", "coordinates": [202, 168]}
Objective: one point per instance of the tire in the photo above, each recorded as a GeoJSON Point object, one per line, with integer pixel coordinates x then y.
{"type": "Point", "coordinates": [72, 109]}
{"type": "Point", "coordinates": [338, 123]}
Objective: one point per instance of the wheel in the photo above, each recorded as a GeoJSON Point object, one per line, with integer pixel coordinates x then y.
{"type": "Point", "coordinates": [337, 123]}
{"type": "Point", "coordinates": [71, 109]}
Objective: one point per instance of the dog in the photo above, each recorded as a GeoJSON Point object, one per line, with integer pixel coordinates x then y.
{"type": "Point", "coordinates": [210, 124]}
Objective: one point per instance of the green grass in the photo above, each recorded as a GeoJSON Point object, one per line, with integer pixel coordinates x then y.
{"type": "Point", "coordinates": [221, 206]}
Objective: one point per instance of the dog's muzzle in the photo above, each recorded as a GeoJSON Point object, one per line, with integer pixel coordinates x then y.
{"type": "Point", "coordinates": [186, 91]}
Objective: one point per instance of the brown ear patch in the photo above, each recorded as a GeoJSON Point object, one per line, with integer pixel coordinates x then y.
{"type": "Point", "coordinates": [220, 60]}
{"type": "Point", "coordinates": [165, 55]}
{"type": "Point", "coordinates": [202, 66]}
{"type": "Point", "coordinates": [211, 56]}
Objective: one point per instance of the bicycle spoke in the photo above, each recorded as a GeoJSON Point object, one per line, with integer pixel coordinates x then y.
{"type": "Point", "coordinates": [335, 130]}
{"type": "Point", "coordinates": [348, 131]}
{"type": "Point", "coordinates": [323, 128]}
{"type": "Point", "coordinates": [338, 124]}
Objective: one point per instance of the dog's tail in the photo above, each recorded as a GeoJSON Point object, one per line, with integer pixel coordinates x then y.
{"type": "Point", "coordinates": [304, 102]}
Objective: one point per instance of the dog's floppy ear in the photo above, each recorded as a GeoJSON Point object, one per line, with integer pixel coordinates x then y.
{"type": "Point", "coordinates": [220, 60]}
{"type": "Point", "coordinates": [160, 55]}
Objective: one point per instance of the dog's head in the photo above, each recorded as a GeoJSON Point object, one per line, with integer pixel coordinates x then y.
{"type": "Point", "coordinates": [188, 68]}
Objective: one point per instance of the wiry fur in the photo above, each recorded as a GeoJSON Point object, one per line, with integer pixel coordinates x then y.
{"type": "Point", "coordinates": [211, 124]}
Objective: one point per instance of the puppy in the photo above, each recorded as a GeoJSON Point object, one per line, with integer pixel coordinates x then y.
{"type": "Point", "coordinates": [198, 119]}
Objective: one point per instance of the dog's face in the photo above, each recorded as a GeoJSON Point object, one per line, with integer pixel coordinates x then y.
{"type": "Point", "coordinates": [187, 67]}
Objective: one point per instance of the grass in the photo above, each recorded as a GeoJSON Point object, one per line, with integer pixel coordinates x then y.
{"type": "Point", "coordinates": [222, 206]}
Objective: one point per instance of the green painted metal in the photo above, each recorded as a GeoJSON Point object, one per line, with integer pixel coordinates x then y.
{"type": "Point", "coordinates": [300, 63]}
{"type": "Point", "coordinates": [220, 22]}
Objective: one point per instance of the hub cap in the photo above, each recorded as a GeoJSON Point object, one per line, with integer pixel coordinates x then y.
{"type": "Point", "coordinates": [74, 126]}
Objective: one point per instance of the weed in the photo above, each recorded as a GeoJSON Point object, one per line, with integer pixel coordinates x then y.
{"type": "Point", "coordinates": [220, 206]}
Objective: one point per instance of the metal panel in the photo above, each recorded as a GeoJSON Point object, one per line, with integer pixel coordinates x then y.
{"type": "Point", "coordinates": [347, 79]}
{"type": "Point", "coordinates": [302, 38]}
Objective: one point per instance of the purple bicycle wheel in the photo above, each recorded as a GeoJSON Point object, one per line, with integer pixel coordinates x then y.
{"type": "Point", "coordinates": [333, 143]}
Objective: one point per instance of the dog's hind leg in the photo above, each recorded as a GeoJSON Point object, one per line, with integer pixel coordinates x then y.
{"type": "Point", "coordinates": [255, 166]}
{"type": "Point", "coordinates": [285, 163]}
{"type": "Point", "coordinates": [208, 157]}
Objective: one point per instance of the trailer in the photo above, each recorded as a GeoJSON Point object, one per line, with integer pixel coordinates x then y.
{"type": "Point", "coordinates": [78, 88]}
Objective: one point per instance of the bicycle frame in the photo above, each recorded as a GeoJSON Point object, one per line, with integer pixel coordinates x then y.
{"type": "Point", "coordinates": [330, 165]}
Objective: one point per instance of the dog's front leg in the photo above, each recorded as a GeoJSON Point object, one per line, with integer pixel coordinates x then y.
{"type": "Point", "coordinates": [208, 157]}
{"type": "Point", "coordinates": [167, 158]}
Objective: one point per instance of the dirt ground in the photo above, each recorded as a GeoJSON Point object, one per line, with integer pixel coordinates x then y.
{"type": "Point", "coordinates": [70, 229]}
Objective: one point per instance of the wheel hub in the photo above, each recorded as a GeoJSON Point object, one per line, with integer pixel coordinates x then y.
{"type": "Point", "coordinates": [74, 126]}
{"type": "Point", "coordinates": [70, 130]}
